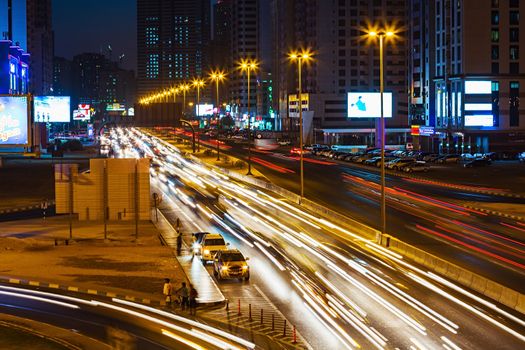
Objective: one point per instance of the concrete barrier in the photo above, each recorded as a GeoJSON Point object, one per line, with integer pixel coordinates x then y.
{"type": "Point", "coordinates": [466, 278]}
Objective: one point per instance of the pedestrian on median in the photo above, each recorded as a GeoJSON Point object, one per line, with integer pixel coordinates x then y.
{"type": "Point", "coordinates": [179, 244]}
{"type": "Point", "coordinates": [183, 294]}
{"type": "Point", "coordinates": [167, 291]}
{"type": "Point", "coordinates": [193, 300]}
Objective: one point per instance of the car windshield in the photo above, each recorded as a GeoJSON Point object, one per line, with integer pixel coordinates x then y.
{"type": "Point", "coordinates": [215, 241]}
{"type": "Point", "coordinates": [232, 257]}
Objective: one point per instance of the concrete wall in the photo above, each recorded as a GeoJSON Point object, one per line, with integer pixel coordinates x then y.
{"type": "Point", "coordinates": [122, 186]}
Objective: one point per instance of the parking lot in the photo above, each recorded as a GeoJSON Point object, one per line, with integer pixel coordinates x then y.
{"type": "Point", "coordinates": [497, 175]}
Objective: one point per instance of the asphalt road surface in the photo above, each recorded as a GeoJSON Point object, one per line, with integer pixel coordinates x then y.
{"type": "Point", "coordinates": [340, 290]}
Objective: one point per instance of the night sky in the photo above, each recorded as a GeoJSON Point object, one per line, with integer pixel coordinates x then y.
{"type": "Point", "coordinates": [89, 26]}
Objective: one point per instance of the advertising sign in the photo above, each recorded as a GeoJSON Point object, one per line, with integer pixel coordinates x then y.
{"type": "Point", "coordinates": [479, 120]}
{"type": "Point", "coordinates": [204, 110]}
{"type": "Point", "coordinates": [368, 105]}
{"type": "Point", "coordinates": [14, 121]}
{"type": "Point", "coordinates": [478, 87]}
{"type": "Point", "coordinates": [52, 109]}
{"type": "Point", "coordinates": [83, 112]}
{"type": "Point", "coordinates": [115, 107]}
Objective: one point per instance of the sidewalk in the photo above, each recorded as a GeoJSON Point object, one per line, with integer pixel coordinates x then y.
{"type": "Point", "coordinates": [209, 293]}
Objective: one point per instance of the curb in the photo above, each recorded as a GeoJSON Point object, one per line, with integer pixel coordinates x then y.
{"type": "Point", "coordinates": [497, 213]}
{"type": "Point", "coordinates": [27, 207]}
{"type": "Point", "coordinates": [68, 288]}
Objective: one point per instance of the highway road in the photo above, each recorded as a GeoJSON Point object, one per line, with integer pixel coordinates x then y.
{"type": "Point", "coordinates": [429, 216]}
{"type": "Point", "coordinates": [118, 323]}
{"type": "Point", "coordinates": [341, 291]}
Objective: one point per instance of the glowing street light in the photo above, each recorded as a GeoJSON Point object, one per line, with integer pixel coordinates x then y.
{"type": "Point", "coordinates": [217, 76]}
{"type": "Point", "coordinates": [381, 35]}
{"type": "Point", "coordinates": [247, 65]}
{"type": "Point", "coordinates": [184, 87]}
{"type": "Point", "coordinates": [198, 83]}
{"type": "Point", "coordinates": [300, 57]}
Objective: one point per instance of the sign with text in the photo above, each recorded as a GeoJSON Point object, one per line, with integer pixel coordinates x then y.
{"type": "Point", "coordinates": [14, 121]}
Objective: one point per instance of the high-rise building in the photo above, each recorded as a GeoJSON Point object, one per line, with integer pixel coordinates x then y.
{"type": "Point", "coordinates": [173, 37]}
{"type": "Point", "coordinates": [94, 80]}
{"type": "Point", "coordinates": [29, 26]}
{"type": "Point", "coordinates": [345, 61]}
{"type": "Point", "coordinates": [62, 76]}
{"type": "Point", "coordinates": [244, 45]}
{"type": "Point", "coordinates": [478, 75]}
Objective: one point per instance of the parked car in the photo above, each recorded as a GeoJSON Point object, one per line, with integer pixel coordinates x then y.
{"type": "Point", "coordinates": [416, 166]}
{"type": "Point", "coordinates": [387, 159]}
{"type": "Point", "coordinates": [210, 245]}
{"type": "Point", "coordinates": [397, 163]}
{"type": "Point", "coordinates": [372, 161]}
{"type": "Point", "coordinates": [284, 142]}
{"type": "Point", "coordinates": [449, 158]}
{"type": "Point", "coordinates": [231, 264]}
{"type": "Point", "coordinates": [431, 157]}
{"type": "Point", "coordinates": [467, 156]}
{"type": "Point", "coordinates": [477, 162]}
{"type": "Point", "coordinates": [521, 157]}
{"type": "Point", "coordinates": [362, 158]}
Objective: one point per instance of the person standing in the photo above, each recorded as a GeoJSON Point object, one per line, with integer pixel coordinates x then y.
{"type": "Point", "coordinates": [179, 244]}
{"type": "Point", "coordinates": [184, 294]}
{"type": "Point", "coordinates": [167, 291]}
{"type": "Point", "coordinates": [193, 300]}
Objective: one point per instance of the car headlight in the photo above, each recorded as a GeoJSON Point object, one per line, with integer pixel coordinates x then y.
{"type": "Point", "coordinates": [206, 251]}
{"type": "Point", "coordinates": [245, 267]}
{"type": "Point", "coordinates": [224, 268]}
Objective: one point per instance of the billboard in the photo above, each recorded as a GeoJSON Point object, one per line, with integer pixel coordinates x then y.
{"type": "Point", "coordinates": [115, 107]}
{"type": "Point", "coordinates": [83, 112]}
{"type": "Point", "coordinates": [204, 110]}
{"type": "Point", "coordinates": [478, 87]}
{"type": "Point", "coordinates": [479, 120]}
{"type": "Point", "coordinates": [52, 109]}
{"type": "Point", "coordinates": [14, 121]}
{"type": "Point", "coordinates": [368, 105]}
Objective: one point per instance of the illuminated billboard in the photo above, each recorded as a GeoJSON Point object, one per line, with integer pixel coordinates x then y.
{"type": "Point", "coordinates": [115, 107]}
{"type": "Point", "coordinates": [52, 109]}
{"type": "Point", "coordinates": [204, 110]}
{"type": "Point", "coordinates": [478, 87]}
{"type": "Point", "coordinates": [368, 105]}
{"type": "Point", "coordinates": [14, 121]}
{"type": "Point", "coordinates": [479, 120]}
{"type": "Point", "coordinates": [83, 112]}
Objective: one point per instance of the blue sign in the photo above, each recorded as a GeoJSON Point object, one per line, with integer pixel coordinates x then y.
{"type": "Point", "coordinates": [426, 130]}
{"type": "Point", "coordinates": [13, 121]}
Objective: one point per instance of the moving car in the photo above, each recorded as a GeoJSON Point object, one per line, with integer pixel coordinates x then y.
{"type": "Point", "coordinates": [297, 150]}
{"type": "Point", "coordinates": [521, 157]}
{"type": "Point", "coordinates": [415, 167]}
{"type": "Point", "coordinates": [210, 245]}
{"type": "Point", "coordinates": [478, 162]}
{"type": "Point", "coordinates": [231, 264]}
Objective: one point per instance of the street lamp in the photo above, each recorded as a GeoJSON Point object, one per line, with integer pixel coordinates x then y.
{"type": "Point", "coordinates": [300, 57]}
{"type": "Point", "coordinates": [217, 76]}
{"type": "Point", "coordinates": [184, 87]}
{"type": "Point", "coordinates": [198, 83]}
{"type": "Point", "coordinates": [247, 65]}
{"type": "Point", "coordinates": [381, 35]}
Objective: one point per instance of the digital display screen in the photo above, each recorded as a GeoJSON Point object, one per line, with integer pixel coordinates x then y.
{"type": "Point", "coordinates": [368, 105]}
{"type": "Point", "coordinates": [478, 106]}
{"type": "Point", "coordinates": [204, 110]}
{"type": "Point", "coordinates": [13, 121]}
{"type": "Point", "coordinates": [52, 109]}
{"type": "Point", "coordinates": [479, 120]}
{"type": "Point", "coordinates": [478, 87]}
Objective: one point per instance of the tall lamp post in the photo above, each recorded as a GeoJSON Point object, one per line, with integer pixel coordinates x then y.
{"type": "Point", "coordinates": [184, 87]}
{"type": "Point", "coordinates": [300, 58]}
{"type": "Point", "coordinates": [381, 35]}
{"type": "Point", "coordinates": [247, 65]}
{"type": "Point", "coordinates": [198, 83]}
{"type": "Point", "coordinates": [217, 76]}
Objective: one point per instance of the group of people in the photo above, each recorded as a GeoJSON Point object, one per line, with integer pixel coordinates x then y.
{"type": "Point", "coordinates": [185, 297]}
